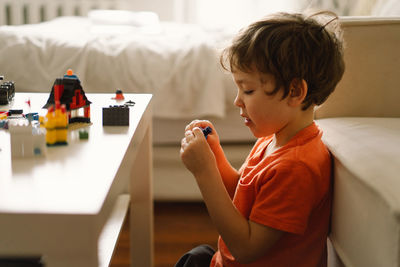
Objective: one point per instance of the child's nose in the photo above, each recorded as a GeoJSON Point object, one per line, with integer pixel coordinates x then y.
{"type": "Point", "coordinates": [238, 101]}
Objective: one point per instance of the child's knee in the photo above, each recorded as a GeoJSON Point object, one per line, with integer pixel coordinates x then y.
{"type": "Point", "coordinates": [199, 256]}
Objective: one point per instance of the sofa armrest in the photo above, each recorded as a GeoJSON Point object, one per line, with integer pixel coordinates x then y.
{"type": "Point", "coordinates": [366, 199]}
{"type": "Point", "coordinates": [369, 87]}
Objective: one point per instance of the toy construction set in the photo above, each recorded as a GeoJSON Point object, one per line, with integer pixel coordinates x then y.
{"type": "Point", "coordinates": [67, 107]}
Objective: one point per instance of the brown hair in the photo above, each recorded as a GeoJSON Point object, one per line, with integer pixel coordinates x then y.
{"type": "Point", "coordinates": [291, 46]}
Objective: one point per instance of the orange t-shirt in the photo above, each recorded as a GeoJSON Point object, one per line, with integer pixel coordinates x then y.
{"type": "Point", "coordinates": [290, 190]}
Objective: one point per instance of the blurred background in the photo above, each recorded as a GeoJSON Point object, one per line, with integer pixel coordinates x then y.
{"type": "Point", "coordinates": [240, 12]}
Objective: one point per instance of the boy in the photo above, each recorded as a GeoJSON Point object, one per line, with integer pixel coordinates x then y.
{"type": "Point", "coordinates": [275, 210]}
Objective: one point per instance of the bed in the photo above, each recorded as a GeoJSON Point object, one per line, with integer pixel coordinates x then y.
{"type": "Point", "coordinates": [136, 52]}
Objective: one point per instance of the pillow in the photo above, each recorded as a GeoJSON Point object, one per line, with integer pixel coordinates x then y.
{"type": "Point", "coordinates": [123, 17]}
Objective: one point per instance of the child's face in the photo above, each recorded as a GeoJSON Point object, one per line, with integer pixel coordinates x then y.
{"type": "Point", "coordinates": [264, 114]}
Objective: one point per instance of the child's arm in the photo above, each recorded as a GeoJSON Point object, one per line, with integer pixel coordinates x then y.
{"type": "Point", "coordinates": [229, 174]}
{"type": "Point", "coordinates": [246, 240]}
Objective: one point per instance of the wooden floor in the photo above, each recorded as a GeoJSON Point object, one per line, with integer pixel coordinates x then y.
{"type": "Point", "coordinates": [178, 227]}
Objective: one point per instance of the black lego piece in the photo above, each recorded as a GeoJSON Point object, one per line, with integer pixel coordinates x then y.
{"type": "Point", "coordinates": [206, 131]}
{"type": "Point", "coordinates": [116, 115]}
{"type": "Point", "coordinates": [7, 91]}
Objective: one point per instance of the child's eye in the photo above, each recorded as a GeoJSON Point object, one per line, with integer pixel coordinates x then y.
{"type": "Point", "coordinates": [248, 92]}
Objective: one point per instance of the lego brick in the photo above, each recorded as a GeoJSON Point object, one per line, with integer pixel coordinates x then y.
{"type": "Point", "coordinates": [116, 116]}
{"type": "Point", "coordinates": [26, 139]}
{"type": "Point", "coordinates": [83, 135]}
{"type": "Point", "coordinates": [7, 91]}
{"type": "Point", "coordinates": [68, 91]}
{"type": "Point", "coordinates": [206, 131]}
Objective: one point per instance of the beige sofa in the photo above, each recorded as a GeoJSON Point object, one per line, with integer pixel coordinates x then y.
{"type": "Point", "coordinates": [361, 124]}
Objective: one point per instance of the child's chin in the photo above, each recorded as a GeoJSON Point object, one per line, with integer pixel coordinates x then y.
{"type": "Point", "coordinates": [259, 134]}
{"type": "Point", "coordinates": [256, 134]}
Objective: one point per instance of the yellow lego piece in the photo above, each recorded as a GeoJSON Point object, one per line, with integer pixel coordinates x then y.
{"type": "Point", "coordinates": [56, 123]}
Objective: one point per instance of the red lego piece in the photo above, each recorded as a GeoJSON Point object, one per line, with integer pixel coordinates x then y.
{"type": "Point", "coordinates": [118, 95]}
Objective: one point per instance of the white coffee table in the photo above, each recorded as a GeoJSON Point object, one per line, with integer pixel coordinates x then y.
{"type": "Point", "coordinates": [69, 206]}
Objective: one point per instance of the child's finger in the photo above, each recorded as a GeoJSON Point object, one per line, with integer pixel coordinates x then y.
{"type": "Point", "coordinates": [183, 143]}
{"type": "Point", "coordinates": [197, 131]}
{"type": "Point", "coordinates": [198, 123]}
{"type": "Point", "coordinates": [188, 133]}
{"type": "Point", "coordinates": [192, 124]}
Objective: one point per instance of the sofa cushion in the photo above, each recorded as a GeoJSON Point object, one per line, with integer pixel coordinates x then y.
{"type": "Point", "coordinates": [366, 205]}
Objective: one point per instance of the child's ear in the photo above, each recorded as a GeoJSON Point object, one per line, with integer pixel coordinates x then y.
{"type": "Point", "coordinates": [298, 92]}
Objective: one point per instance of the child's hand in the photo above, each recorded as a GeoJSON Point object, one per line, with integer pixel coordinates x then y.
{"type": "Point", "coordinates": [196, 153]}
{"type": "Point", "coordinates": [212, 138]}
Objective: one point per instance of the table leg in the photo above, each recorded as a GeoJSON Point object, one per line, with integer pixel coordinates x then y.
{"type": "Point", "coordinates": [141, 208]}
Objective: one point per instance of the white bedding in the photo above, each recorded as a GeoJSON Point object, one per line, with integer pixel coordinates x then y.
{"type": "Point", "coordinates": [177, 63]}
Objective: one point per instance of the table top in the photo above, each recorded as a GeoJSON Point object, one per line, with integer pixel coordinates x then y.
{"type": "Point", "coordinates": [69, 179]}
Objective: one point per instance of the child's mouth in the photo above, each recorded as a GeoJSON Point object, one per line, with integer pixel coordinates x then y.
{"type": "Point", "coordinates": [247, 120]}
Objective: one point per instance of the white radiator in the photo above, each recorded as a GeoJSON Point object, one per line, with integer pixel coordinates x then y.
{"type": "Point", "coordinates": [16, 12]}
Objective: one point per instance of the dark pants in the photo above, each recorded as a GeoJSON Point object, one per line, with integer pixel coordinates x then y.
{"type": "Point", "coordinates": [198, 257]}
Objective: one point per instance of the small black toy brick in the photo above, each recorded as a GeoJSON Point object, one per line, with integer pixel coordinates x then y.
{"type": "Point", "coordinates": [7, 91]}
{"type": "Point", "coordinates": [116, 116]}
{"type": "Point", "coordinates": [206, 131]}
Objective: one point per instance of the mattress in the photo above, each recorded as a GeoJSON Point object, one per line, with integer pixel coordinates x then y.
{"type": "Point", "coordinates": [176, 62]}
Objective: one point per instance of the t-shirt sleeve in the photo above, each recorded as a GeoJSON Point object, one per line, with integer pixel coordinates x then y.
{"type": "Point", "coordinates": [285, 198]}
